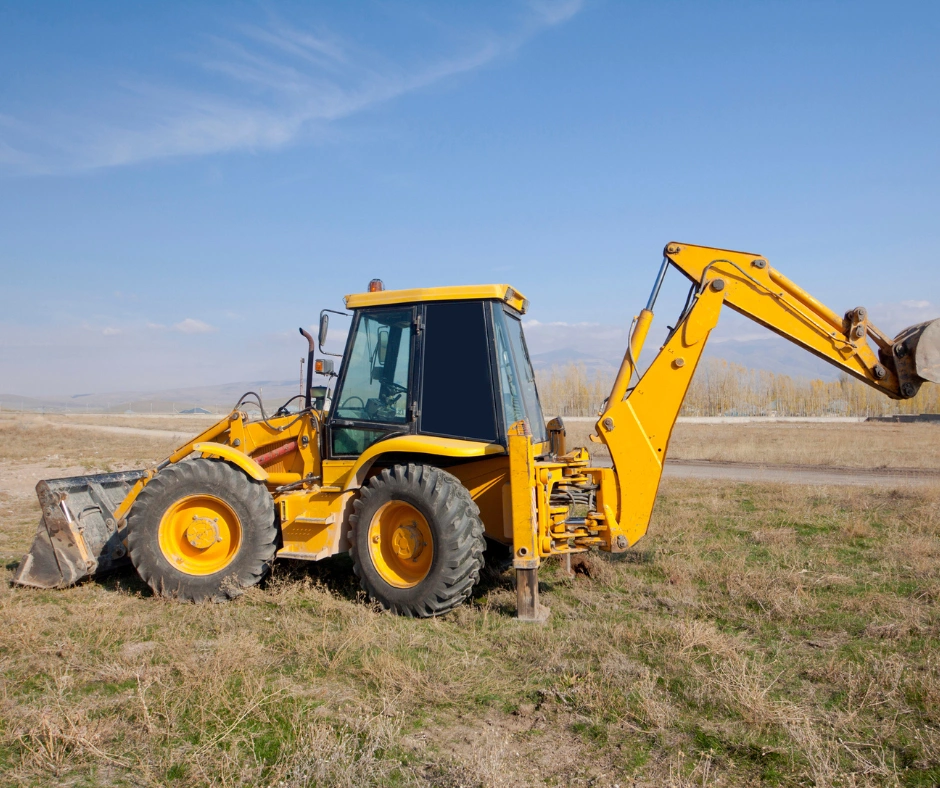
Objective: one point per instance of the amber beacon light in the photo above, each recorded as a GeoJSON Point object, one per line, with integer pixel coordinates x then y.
{"type": "Point", "coordinates": [376, 286]}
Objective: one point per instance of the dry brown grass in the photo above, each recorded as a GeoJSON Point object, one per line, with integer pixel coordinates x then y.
{"type": "Point", "coordinates": [760, 635]}
{"type": "Point", "coordinates": [175, 423]}
{"type": "Point", "coordinates": [49, 440]}
{"type": "Point", "coordinates": [720, 388]}
{"type": "Point", "coordinates": [861, 445]}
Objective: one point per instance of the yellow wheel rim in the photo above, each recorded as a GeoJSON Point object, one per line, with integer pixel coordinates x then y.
{"type": "Point", "coordinates": [400, 544]}
{"type": "Point", "coordinates": [200, 534]}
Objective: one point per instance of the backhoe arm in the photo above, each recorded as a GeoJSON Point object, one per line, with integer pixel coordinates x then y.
{"type": "Point", "coordinates": [762, 293]}
{"type": "Point", "coordinates": [637, 423]}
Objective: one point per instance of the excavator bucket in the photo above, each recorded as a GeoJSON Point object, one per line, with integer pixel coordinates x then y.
{"type": "Point", "coordinates": [78, 534]}
{"type": "Point", "coordinates": [918, 348]}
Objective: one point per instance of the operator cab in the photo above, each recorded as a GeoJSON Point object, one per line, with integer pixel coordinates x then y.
{"type": "Point", "coordinates": [450, 362]}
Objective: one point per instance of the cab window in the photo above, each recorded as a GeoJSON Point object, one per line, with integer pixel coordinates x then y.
{"type": "Point", "coordinates": [354, 440]}
{"type": "Point", "coordinates": [516, 377]}
{"type": "Point", "coordinates": [378, 368]}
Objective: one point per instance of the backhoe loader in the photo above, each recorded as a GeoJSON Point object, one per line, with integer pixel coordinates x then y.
{"type": "Point", "coordinates": [431, 454]}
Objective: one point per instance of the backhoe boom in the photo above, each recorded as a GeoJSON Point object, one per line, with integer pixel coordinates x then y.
{"type": "Point", "coordinates": [766, 296]}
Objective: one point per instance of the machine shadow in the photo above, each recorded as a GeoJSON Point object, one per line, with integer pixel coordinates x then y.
{"type": "Point", "coordinates": [335, 573]}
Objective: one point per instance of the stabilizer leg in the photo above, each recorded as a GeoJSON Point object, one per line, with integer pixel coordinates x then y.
{"type": "Point", "coordinates": [527, 596]}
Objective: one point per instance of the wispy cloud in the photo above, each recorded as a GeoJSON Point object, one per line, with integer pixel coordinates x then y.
{"type": "Point", "coordinates": [894, 317]}
{"type": "Point", "coordinates": [554, 13]}
{"type": "Point", "coordinates": [272, 85]}
{"type": "Point", "coordinates": [192, 326]}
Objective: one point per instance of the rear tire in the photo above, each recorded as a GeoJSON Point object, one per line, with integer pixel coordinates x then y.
{"type": "Point", "coordinates": [202, 529]}
{"type": "Point", "coordinates": [416, 540]}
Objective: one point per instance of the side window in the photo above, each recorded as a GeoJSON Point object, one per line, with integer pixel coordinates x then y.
{"type": "Point", "coordinates": [517, 376]}
{"type": "Point", "coordinates": [354, 440]}
{"type": "Point", "coordinates": [457, 389]}
{"type": "Point", "coordinates": [509, 385]}
{"type": "Point", "coordinates": [375, 383]}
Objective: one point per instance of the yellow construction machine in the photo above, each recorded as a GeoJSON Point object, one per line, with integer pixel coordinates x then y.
{"type": "Point", "coordinates": [431, 455]}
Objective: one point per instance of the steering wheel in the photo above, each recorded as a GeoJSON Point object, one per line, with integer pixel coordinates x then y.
{"type": "Point", "coordinates": [394, 388]}
{"type": "Point", "coordinates": [361, 405]}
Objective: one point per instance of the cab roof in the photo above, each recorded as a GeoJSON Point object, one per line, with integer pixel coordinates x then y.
{"type": "Point", "coordinates": [504, 293]}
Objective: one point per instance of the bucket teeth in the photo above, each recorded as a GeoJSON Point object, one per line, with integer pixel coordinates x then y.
{"type": "Point", "coordinates": [40, 567]}
{"type": "Point", "coordinates": [927, 355]}
{"type": "Point", "coordinates": [78, 536]}
{"type": "Point", "coordinates": [917, 349]}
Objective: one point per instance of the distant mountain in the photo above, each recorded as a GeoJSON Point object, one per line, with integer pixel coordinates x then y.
{"type": "Point", "coordinates": [218, 398]}
{"type": "Point", "coordinates": [565, 356]}
{"type": "Point", "coordinates": [770, 353]}
{"type": "Point", "coordinates": [773, 354]}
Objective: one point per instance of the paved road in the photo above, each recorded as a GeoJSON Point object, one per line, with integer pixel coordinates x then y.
{"type": "Point", "coordinates": [798, 474]}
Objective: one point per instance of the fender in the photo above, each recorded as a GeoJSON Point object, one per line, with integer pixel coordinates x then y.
{"type": "Point", "coordinates": [418, 444]}
{"type": "Point", "coordinates": [234, 456]}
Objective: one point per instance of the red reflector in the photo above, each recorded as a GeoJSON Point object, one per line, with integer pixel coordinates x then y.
{"type": "Point", "coordinates": [376, 286]}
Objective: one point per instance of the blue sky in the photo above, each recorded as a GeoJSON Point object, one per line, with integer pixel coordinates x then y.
{"type": "Point", "coordinates": [183, 184]}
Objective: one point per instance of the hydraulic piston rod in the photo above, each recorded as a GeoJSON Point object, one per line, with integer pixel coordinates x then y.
{"type": "Point", "coordinates": [641, 327]}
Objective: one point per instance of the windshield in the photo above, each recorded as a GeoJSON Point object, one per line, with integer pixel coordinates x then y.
{"type": "Point", "coordinates": [375, 384]}
{"type": "Point", "coordinates": [516, 378]}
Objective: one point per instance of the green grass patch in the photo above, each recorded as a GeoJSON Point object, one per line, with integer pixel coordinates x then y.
{"type": "Point", "coordinates": [759, 635]}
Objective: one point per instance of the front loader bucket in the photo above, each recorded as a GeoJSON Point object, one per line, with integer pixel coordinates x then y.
{"type": "Point", "coordinates": [917, 351]}
{"type": "Point", "coordinates": [78, 535]}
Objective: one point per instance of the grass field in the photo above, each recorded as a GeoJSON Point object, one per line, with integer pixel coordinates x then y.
{"type": "Point", "coordinates": [759, 635]}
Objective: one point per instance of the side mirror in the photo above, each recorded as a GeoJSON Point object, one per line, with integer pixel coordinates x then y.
{"type": "Point", "coordinates": [324, 327]}
{"type": "Point", "coordinates": [381, 348]}
{"type": "Point", "coordinates": [379, 354]}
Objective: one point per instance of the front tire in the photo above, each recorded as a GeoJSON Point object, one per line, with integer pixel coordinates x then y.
{"type": "Point", "coordinates": [202, 529]}
{"type": "Point", "coordinates": [416, 540]}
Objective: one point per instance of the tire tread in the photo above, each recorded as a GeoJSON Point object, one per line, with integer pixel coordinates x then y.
{"type": "Point", "coordinates": [461, 538]}
{"type": "Point", "coordinates": [259, 531]}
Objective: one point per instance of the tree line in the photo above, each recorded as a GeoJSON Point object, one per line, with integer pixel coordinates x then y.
{"type": "Point", "coordinates": [722, 388]}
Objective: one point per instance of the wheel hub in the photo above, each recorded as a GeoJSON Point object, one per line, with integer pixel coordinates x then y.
{"type": "Point", "coordinates": [203, 532]}
{"type": "Point", "coordinates": [200, 534]}
{"type": "Point", "coordinates": [400, 544]}
{"type": "Point", "coordinates": [407, 542]}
